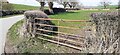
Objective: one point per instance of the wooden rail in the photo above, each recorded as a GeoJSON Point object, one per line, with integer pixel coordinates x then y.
{"type": "Point", "coordinates": [69, 42]}
{"type": "Point", "coordinates": [56, 26]}
{"type": "Point", "coordinates": [57, 32]}
{"type": "Point", "coordinates": [73, 41]}
{"type": "Point", "coordinates": [63, 20]}
{"type": "Point", "coordinates": [64, 44]}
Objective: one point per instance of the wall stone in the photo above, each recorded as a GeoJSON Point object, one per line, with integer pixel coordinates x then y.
{"type": "Point", "coordinates": [30, 23]}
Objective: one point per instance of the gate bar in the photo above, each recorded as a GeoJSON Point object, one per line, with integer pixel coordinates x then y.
{"type": "Point", "coordinates": [63, 44]}
{"type": "Point", "coordinates": [63, 20]}
{"type": "Point", "coordinates": [57, 32]}
{"type": "Point", "coordinates": [57, 26]}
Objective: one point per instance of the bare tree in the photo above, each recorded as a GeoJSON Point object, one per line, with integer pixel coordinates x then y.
{"type": "Point", "coordinates": [50, 3]}
{"type": "Point", "coordinates": [105, 3]}
{"type": "Point", "coordinates": [70, 5]}
{"type": "Point", "coordinates": [51, 7]}
{"type": "Point", "coordinates": [42, 6]}
{"type": "Point", "coordinates": [63, 2]}
{"type": "Point", "coordinates": [73, 4]}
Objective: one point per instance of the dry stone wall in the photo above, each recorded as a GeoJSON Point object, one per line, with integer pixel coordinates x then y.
{"type": "Point", "coordinates": [107, 31]}
{"type": "Point", "coordinates": [30, 23]}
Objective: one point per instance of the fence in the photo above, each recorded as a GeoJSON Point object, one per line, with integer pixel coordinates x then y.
{"type": "Point", "coordinates": [69, 33]}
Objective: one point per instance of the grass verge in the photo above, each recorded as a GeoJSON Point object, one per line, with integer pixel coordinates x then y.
{"type": "Point", "coordinates": [31, 45]}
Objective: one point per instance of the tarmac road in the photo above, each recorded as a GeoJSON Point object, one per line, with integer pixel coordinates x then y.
{"type": "Point", "coordinates": [5, 24]}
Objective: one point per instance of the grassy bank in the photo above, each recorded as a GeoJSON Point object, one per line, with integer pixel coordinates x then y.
{"type": "Point", "coordinates": [31, 45]}
{"type": "Point", "coordinates": [20, 7]}
{"type": "Point", "coordinates": [24, 7]}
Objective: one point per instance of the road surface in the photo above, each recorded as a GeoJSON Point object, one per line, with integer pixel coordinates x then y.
{"type": "Point", "coordinates": [5, 24]}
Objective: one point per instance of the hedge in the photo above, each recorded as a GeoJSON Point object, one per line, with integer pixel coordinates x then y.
{"type": "Point", "coordinates": [13, 12]}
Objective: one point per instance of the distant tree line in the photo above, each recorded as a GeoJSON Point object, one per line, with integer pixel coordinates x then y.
{"type": "Point", "coordinates": [70, 3]}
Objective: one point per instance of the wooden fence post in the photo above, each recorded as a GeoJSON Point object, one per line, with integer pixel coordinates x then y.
{"type": "Point", "coordinates": [34, 29]}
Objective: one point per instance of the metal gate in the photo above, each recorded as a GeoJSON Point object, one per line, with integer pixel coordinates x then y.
{"type": "Point", "coordinates": [70, 33]}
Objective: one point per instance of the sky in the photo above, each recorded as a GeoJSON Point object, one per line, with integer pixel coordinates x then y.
{"type": "Point", "coordinates": [84, 2]}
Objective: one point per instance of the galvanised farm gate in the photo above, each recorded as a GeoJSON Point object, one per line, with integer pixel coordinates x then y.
{"type": "Point", "coordinates": [64, 32]}
{"type": "Point", "coordinates": [102, 37]}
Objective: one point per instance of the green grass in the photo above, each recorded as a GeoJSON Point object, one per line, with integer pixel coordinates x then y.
{"type": "Point", "coordinates": [24, 7]}
{"type": "Point", "coordinates": [14, 36]}
{"type": "Point", "coordinates": [21, 7]}
{"type": "Point", "coordinates": [113, 6]}
{"type": "Point", "coordinates": [75, 15]}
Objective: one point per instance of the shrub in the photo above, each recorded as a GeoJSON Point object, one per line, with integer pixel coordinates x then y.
{"type": "Point", "coordinates": [55, 10]}
{"type": "Point", "coordinates": [106, 33]}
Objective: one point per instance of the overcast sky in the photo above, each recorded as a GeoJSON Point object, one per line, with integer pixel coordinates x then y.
{"type": "Point", "coordinates": [84, 2]}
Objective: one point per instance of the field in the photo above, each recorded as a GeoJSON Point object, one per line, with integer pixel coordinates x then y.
{"type": "Point", "coordinates": [21, 7]}
{"type": "Point", "coordinates": [40, 46]}
{"type": "Point", "coordinates": [24, 7]}
{"type": "Point", "coordinates": [74, 15]}
{"type": "Point", "coordinates": [77, 15]}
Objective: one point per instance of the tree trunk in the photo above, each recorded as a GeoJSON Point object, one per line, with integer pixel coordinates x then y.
{"type": "Point", "coordinates": [105, 6]}
{"type": "Point", "coordinates": [73, 6]}
{"type": "Point", "coordinates": [51, 7]}
{"type": "Point", "coordinates": [65, 4]}
{"type": "Point", "coordinates": [42, 6]}
{"type": "Point", "coordinates": [70, 5]}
